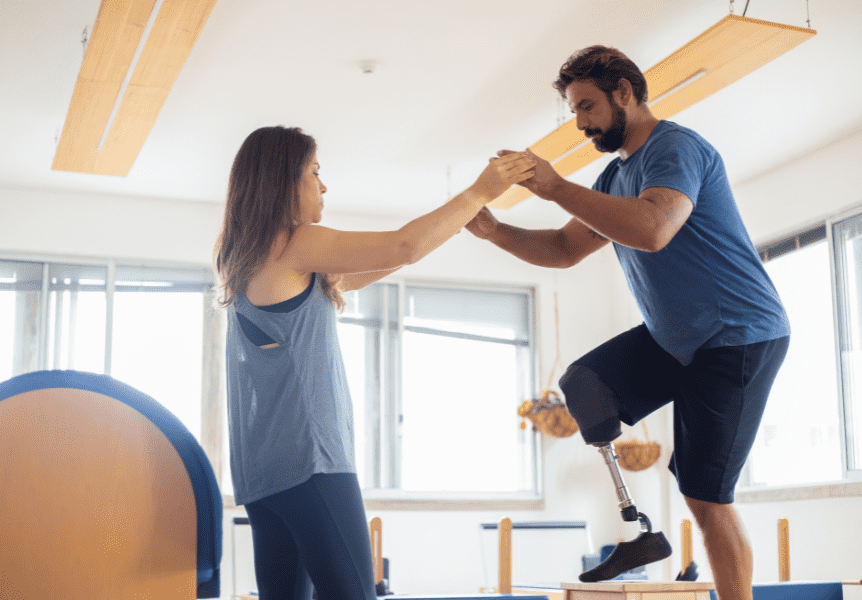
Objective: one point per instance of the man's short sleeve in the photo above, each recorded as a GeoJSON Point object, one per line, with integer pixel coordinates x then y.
{"type": "Point", "coordinates": [677, 160]}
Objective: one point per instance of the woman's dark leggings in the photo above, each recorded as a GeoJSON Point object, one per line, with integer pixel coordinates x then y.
{"type": "Point", "coordinates": [313, 537]}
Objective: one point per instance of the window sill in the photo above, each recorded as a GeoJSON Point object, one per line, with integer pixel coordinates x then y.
{"type": "Point", "coordinates": [394, 500]}
{"type": "Point", "coordinates": [816, 491]}
{"type": "Point", "coordinates": [380, 500]}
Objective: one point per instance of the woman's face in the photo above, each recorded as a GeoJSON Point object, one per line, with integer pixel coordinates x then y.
{"type": "Point", "coordinates": [311, 191]}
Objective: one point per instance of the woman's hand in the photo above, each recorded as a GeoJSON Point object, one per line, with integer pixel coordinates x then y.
{"type": "Point", "coordinates": [483, 224]}
{"type": "Point", "coordinates": [501, 173]}
{"type": "Point", "coordinates": [545, 177]}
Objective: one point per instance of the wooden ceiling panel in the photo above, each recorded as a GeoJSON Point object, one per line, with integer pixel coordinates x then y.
{"type": "Point", "coordinates": [727, 51]}
{"type": "Point", "coordinates": [116, 36]}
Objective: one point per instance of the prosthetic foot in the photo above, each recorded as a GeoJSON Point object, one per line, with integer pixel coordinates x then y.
{"type": "Point", "coordinates": [647, 548]}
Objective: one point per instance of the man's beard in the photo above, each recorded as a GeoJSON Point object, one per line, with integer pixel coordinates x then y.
{"type": "Point", "coordinates": [612, 139]}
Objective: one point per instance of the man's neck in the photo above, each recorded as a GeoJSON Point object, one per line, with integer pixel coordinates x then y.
{"type": "Point", "coordinates": [639, 128]}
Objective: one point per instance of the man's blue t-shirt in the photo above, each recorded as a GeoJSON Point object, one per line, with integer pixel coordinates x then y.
{"type": "Point", "coordinates": [707, 288]}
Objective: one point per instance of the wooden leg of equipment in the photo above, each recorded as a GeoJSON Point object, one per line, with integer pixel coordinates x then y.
{"type": "Point", "coordinates": [504, 585]}
{"type": "Point", "coordinates": [783, 550]}
{"type": "Point", "coordinates": [376, 530]}
{"type": "Point", "coordinates": [686, 544]}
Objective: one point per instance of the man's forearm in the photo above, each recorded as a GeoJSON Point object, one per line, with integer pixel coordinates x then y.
{"type": "Point", "coordinates": [541, 247]}
{"type": "Point", "coordinates": [628, 221]}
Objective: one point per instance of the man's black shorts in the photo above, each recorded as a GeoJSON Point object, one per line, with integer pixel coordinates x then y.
{"type": "Point", "coordinates": [718, 402]}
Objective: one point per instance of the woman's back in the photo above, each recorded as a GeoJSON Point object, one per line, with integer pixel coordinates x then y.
{"type": "Point", "coordinates": [289, 406]}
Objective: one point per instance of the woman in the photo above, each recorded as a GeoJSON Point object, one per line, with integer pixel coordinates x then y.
{"type": "Point", "coordinates": [291, 425]}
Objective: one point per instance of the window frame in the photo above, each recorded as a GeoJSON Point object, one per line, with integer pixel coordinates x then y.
{"type": "Point", "coordinates": [850, 484]}
{"type": "Point", "coordinates": [213, 395]}
{"type": "Point", "coordinates": [397, 499]}
{"type": "Point", "coordinates": [388, 405]}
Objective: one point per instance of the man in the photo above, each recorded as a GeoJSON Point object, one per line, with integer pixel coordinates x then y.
{"type": "Point", "coordinates": [714, 333]}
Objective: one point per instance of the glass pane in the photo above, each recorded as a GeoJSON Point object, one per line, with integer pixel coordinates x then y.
{"type": "Point", "coordinates": [226, 478]}
{"type": "Point", "coordinates": [798, 440]}
{"type": "Point", "coordinates": [157, 347]}
{"type": "Point", "coordinates": [20, 300]}
{"type": "Point", "coordinates": [848, 255]}
{"type": "Point", "coordinates": [456, 415]}
{"type": "Point", "coordinates": [7, 331]}
{"type": "Point", "coordinates": [501, 315]}
{"type": "Point", "coordinates": [366, 303]}
{"type": "Point", "coordinates": [352, 339]}
{"type": "Point", "coordinates": [77, 317]}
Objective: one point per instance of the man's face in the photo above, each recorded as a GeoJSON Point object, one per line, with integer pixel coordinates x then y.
{"type": "Point", "coordinates": [600, 119]}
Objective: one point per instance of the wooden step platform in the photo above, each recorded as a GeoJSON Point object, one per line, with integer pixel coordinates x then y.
{"type": "Point", "coordinates": [639, 590]}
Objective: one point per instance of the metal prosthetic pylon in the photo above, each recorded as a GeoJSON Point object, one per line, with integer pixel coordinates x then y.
{"type": "Point", "coordinates": [627, 506]}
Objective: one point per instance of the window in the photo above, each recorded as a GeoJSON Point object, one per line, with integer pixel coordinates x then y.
{"type": "Point", "coordinates": [20, 323]}
{"type": "Point", "coordinates": [76, 317]}
{"type": "Point", "coordinates": [798, 439]}
{"type": "Point", "coordinates": [847, 236]}
{"type": "Point", "coordinates": [141, 325]}
{"type": "Point", "coordinates": [158, 337]}
{"type": "Point", "coordinates": [810, 429]}
{"type": "Point", "coordinates": [465, 369]}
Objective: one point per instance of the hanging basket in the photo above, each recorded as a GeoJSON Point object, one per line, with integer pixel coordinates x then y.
{"type": "Point", "coordinates": [549, 415]}
{"type": "Point", "coordinates": [636, 455]}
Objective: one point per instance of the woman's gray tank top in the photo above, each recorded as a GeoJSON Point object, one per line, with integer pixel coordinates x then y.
{"type": "Point", "coordinates": [289, 410]}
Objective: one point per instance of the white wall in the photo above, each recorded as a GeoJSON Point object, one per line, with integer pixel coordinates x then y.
{"type": "Point", "coordinates": [439, 551]}
{"type": "Point", "coordinates": [103, 226]}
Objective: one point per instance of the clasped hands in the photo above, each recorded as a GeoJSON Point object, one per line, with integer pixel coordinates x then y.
{"type": "Point", "coordinates": [544, 179]}
{"type": "Point", "coordinates": [542, 183]}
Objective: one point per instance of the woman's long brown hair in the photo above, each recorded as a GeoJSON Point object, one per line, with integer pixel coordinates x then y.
{"type": "Point", "coordinates": [262, 201]}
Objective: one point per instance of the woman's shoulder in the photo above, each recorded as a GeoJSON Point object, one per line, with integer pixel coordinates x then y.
{"type": "Point", "coordinates": [276, 280]}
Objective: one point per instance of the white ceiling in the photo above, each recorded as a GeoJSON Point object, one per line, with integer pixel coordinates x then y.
{"type": "Point", "coordinates": [456, 80]}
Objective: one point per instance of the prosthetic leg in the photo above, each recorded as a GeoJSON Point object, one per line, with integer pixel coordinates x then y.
{"type": "Point", "coordinates": [647, 548]}
{"type": "Point", "coordinates": [592, 405]}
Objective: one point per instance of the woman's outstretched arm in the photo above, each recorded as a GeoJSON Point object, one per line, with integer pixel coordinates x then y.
{"type": "Point", "coordinates": [318, 249]}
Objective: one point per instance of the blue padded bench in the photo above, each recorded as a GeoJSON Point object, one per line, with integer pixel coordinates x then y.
{"type": "Point", "coordinates": [796, 590]}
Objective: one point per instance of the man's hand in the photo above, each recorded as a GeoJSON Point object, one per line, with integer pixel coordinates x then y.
{"type": "Point", "coordinates": [483, 224]}
{"type": "Point", "coordinates": [501, 173]}
{"type": "Point", "coordinates": [545, 178]}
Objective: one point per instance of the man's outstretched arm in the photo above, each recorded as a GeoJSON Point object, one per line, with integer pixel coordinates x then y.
{"type": "Point", "coordinates": [647, 222]}
{"type": "Point", "coordinates": [553, 248]}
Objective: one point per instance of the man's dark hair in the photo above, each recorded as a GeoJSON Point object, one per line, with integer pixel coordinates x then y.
{"type": "Point", "coordinates": [604, 67]}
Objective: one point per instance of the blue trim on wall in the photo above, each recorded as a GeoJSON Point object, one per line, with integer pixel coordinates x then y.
{"type": "Point", "coordinates": [207, 494]}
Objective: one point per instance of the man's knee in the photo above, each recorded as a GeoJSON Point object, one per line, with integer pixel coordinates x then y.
{"type": "Point", "coordinates": [706, 512]}
{"type": "Point", "coordinates": [591, 403]}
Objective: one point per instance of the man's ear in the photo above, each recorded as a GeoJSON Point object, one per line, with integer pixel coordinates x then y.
{"type": "Point", "coordinates": [624, 92]}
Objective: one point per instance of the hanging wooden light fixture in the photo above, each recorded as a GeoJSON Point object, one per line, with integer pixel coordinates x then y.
{"type": "Point", "coordinates": [119, 27]}
{"type": "Point", "coordinates": [727, 51]}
